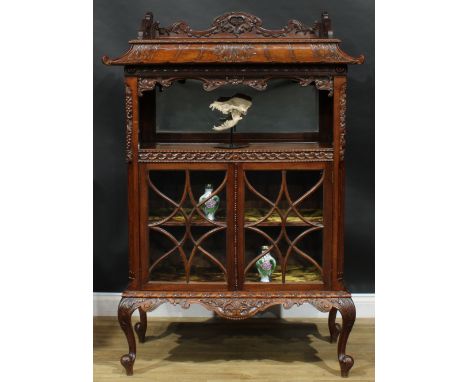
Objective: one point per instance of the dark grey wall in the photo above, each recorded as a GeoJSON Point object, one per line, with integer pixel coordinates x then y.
{"type": "Point", "coordinates": [116, 22]}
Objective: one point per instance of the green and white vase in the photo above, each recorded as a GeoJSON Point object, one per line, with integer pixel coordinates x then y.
{"type": "Point", "coordinates": [210, 206]}
{"type": "Point", "coordinates": [265, 265]}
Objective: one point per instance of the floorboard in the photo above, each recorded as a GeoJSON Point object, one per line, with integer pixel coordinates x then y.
{"type": "Point", "coordinates": [214, 350]}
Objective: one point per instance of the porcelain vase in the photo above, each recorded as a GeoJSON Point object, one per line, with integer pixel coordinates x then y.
{"type": "Point", "coordinates": [266, 265]}
{"type": "Point", "coordinates": [210, 206]}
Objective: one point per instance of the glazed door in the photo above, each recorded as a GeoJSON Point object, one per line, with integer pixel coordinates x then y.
{"type": "Point", "coordinates": [184, 240]}
{"type": "Point", "coordinates": [284, 226]}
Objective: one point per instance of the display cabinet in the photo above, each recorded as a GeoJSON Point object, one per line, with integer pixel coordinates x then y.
{"type": "Point", "coordinates": [242, 218]}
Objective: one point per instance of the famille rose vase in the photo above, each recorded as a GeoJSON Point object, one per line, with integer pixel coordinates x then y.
{"type": "Point", "coordinates": [265, 265]}
{"type": "Point", "coordinates": [210, 206]}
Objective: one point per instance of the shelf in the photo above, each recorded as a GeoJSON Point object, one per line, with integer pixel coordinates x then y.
{"type": "Point", "coordinates": [251, 216]}
{"type": "Point", "coordinates": [254, 215]}
{"type": "Point", "coordinates": [179, 221]}
{"type": "Point", "coordinates": [293, 275]}
{"type": "Point", "coordinates": [266, 146]}
{"type": "Point", "coordinates": [197, 275]}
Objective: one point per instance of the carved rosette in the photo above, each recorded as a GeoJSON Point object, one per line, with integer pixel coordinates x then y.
{"type": "Point", "coordinates": [129, 123]}
{"type": "Point", "coordinates": [147, 156]}
{"type": "Point", "coordinates": [342, 120]}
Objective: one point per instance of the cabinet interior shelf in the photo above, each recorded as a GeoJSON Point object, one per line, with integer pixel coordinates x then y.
{"type": "Point", "coordinates": [294, 274]}
{"type": "Point", "coordinates": [258, 146]}
{"type": "Point", "coordinates": [251, 216]}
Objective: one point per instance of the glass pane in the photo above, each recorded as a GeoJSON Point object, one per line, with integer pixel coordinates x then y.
{"type": "Point", "coordinates": [283, 226]}
{"type": "Point", "coordinates": [187, 224]}
{"type": "Point", "coordinates": [185, 108]}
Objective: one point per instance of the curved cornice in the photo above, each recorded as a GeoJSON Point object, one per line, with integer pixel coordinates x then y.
{"type": "Point", "coordinates": [235, 37]}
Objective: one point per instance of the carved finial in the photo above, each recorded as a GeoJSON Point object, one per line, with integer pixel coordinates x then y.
{"type": "Point", "coordinates": [145, 27]}
{"type": "Point", "coordinates": [326, 26]}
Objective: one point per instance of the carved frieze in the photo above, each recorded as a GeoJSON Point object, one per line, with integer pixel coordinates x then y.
{"type": "Point", "coordinates": [234, 156]}
{"type": "Point", "coordinates": [213, 83]}
{"type": "Point", "coordinates": [260, 83]}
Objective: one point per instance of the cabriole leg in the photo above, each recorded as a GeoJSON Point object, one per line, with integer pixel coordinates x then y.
{"type": "Point", "coordinates": [140, 327]}
{"type": "Point", "coordinates": [126, 308]}
{"type": "Point", "coordinates": [348, 314]}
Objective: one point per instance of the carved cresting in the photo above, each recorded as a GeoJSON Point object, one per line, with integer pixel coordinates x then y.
{"type": "Point", "coordinates": [233, 23]}
{"type": "Point", "coordinates": [342, 120]}
{"type": "Point", "coordinates": [129, 123]}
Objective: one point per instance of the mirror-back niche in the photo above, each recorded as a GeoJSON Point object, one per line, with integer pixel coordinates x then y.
{"type": "Point", "coordinates": [283, 107]}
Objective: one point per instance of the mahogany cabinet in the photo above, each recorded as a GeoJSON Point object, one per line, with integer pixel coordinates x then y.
{"type": "Point", "coordinates": [281, 193]}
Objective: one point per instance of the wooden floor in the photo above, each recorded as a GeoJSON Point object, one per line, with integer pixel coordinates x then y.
{"type": "Point", "coordinates": [209, 350]}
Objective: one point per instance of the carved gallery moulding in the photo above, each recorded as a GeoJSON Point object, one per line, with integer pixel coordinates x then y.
{"type": "Point", "coordinates": [235, 156]}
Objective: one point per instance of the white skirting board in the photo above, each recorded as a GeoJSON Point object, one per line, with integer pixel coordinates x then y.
{"type": "Point", "coordinates": [105, 304]}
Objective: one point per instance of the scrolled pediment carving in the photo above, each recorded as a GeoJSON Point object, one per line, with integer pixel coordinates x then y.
{"type": "Point", "coordinates": [233, 24]}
